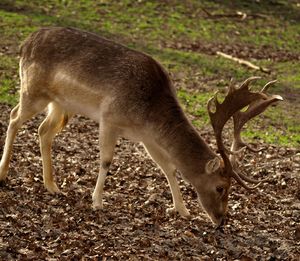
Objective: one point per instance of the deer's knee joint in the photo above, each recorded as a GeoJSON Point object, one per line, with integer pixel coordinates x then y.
{"type": "Point", "coordinates": [105, 164]}
{"type": "Point", "coordinates": [14, 113]}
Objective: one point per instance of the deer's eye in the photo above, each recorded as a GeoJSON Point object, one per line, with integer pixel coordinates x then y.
{"type": "Point", "coordinates": [220, 190]}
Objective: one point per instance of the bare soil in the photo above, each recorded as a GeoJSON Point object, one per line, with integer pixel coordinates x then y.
{"type": "Point", "coordinates": [241, 50]}
{"type": "Point", "coordinates": [34, 225]}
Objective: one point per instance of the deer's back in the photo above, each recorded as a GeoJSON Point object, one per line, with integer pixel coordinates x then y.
{"type": "Point", "coordinates": [85, 72]}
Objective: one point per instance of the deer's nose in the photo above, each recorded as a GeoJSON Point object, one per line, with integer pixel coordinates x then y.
{"type": "Point", "coordinates": [222, 221]}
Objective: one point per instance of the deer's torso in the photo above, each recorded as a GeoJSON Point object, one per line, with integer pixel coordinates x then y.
{"type": "Point", "coordinates": [103, 80]}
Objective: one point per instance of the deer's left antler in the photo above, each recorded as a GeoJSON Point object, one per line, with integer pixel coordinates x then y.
{"type": "Point", "coordinates": [235, 100]}
{"type": "Point", "coordinates": [240, 118]}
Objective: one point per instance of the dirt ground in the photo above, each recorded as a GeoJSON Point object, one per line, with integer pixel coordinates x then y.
{"type": "Point", "coordinates": [34, 225]}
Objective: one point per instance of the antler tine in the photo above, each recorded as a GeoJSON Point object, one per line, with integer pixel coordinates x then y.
{"type": "Point", "coordinates": [247, 82]}
{"type": "Point", "coordinates": [239, 146]}
{"type": "Point", "coordinates": [267, 85]}
{"type": "Point", "coordinates": [250, 180]}
{"type": "Point", "coordinates": [252, 149]}
{"type": "Point", "coordinates": [242, 183]}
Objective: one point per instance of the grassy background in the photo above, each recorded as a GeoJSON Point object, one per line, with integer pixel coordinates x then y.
{"type": "Point", "coordinates": [183, 36]}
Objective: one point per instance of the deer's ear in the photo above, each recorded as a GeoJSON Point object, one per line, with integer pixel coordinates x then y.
{"type": "Point", "coordinates": [213, 165]}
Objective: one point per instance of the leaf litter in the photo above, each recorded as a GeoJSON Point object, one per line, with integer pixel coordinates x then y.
{"type": "Point", "coordinates": [134, 224]}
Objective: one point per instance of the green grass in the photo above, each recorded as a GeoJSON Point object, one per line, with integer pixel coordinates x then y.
{"type": "Point", "coordinates": [195, 104]}
{"type": "Point", "coordinates": [167, 31]}
{"type": "Point", "coordinates": [5, 92]}
{"type": "Point", "coordinates": [265, 127]}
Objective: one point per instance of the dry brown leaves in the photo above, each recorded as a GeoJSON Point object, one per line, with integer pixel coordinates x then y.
{"type": "Point", "coordinates": [35, 225]}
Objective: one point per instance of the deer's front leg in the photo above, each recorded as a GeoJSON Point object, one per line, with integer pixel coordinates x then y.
{"type": "Point", "coordinates": [160, 157]}
{"type": "Point", "coordinates": [107, 142]}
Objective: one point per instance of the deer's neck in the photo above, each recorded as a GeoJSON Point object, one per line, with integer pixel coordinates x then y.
{"type": "Point", "coordinates": [185, 147]}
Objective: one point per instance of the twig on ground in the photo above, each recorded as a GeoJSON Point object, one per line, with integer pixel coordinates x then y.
{"type": "Point", "coordinates": [243, 62]}
{"type": "Point", "coordinates": [238, 14]}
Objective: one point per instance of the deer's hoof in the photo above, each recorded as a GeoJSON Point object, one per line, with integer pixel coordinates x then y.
{"type": "Point", "coordinates": [3, 174]}
{"type": "Point", "coordinates": [52, 188]}
{"type": "Point", "coordinates": [182, 212]}
{"type": "Point", "coordinates": [97, 205]}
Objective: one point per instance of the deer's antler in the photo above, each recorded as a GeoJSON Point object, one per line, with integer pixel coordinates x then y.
{"type": "Point", "coordinates": [235, 100]}
{"type": "Point", "coordinates": [240, 118]}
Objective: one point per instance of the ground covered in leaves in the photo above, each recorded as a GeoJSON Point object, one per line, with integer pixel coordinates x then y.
{"type": "Point", "coordinates": [35, 225]}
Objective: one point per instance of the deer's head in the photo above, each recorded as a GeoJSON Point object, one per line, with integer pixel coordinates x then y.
{"type": "Point", "coordinates": [215, 184]}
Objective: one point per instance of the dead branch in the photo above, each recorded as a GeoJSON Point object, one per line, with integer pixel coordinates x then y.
{"type": "Point", "coordinates": [243, 62]}
{"type": "Point", "coordinates": [238, 14]}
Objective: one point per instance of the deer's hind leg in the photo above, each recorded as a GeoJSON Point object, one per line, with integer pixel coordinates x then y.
{"type": "Point", "coordinates": [26, 109]}
{"type": "Point", "coordinates": [55, 121]}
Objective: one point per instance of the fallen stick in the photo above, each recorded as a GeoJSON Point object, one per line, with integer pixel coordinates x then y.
{"type": "Point", "coordinates": [243, 62]}
{"type": "Point", "coordinates": [237, 14]}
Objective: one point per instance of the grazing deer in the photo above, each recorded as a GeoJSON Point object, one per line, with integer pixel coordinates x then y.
{"type": "Point", "coordinates": [130, 95]}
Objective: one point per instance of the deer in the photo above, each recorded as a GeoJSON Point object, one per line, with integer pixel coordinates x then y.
{"type": "Point", "coordinates": [70, 71]}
